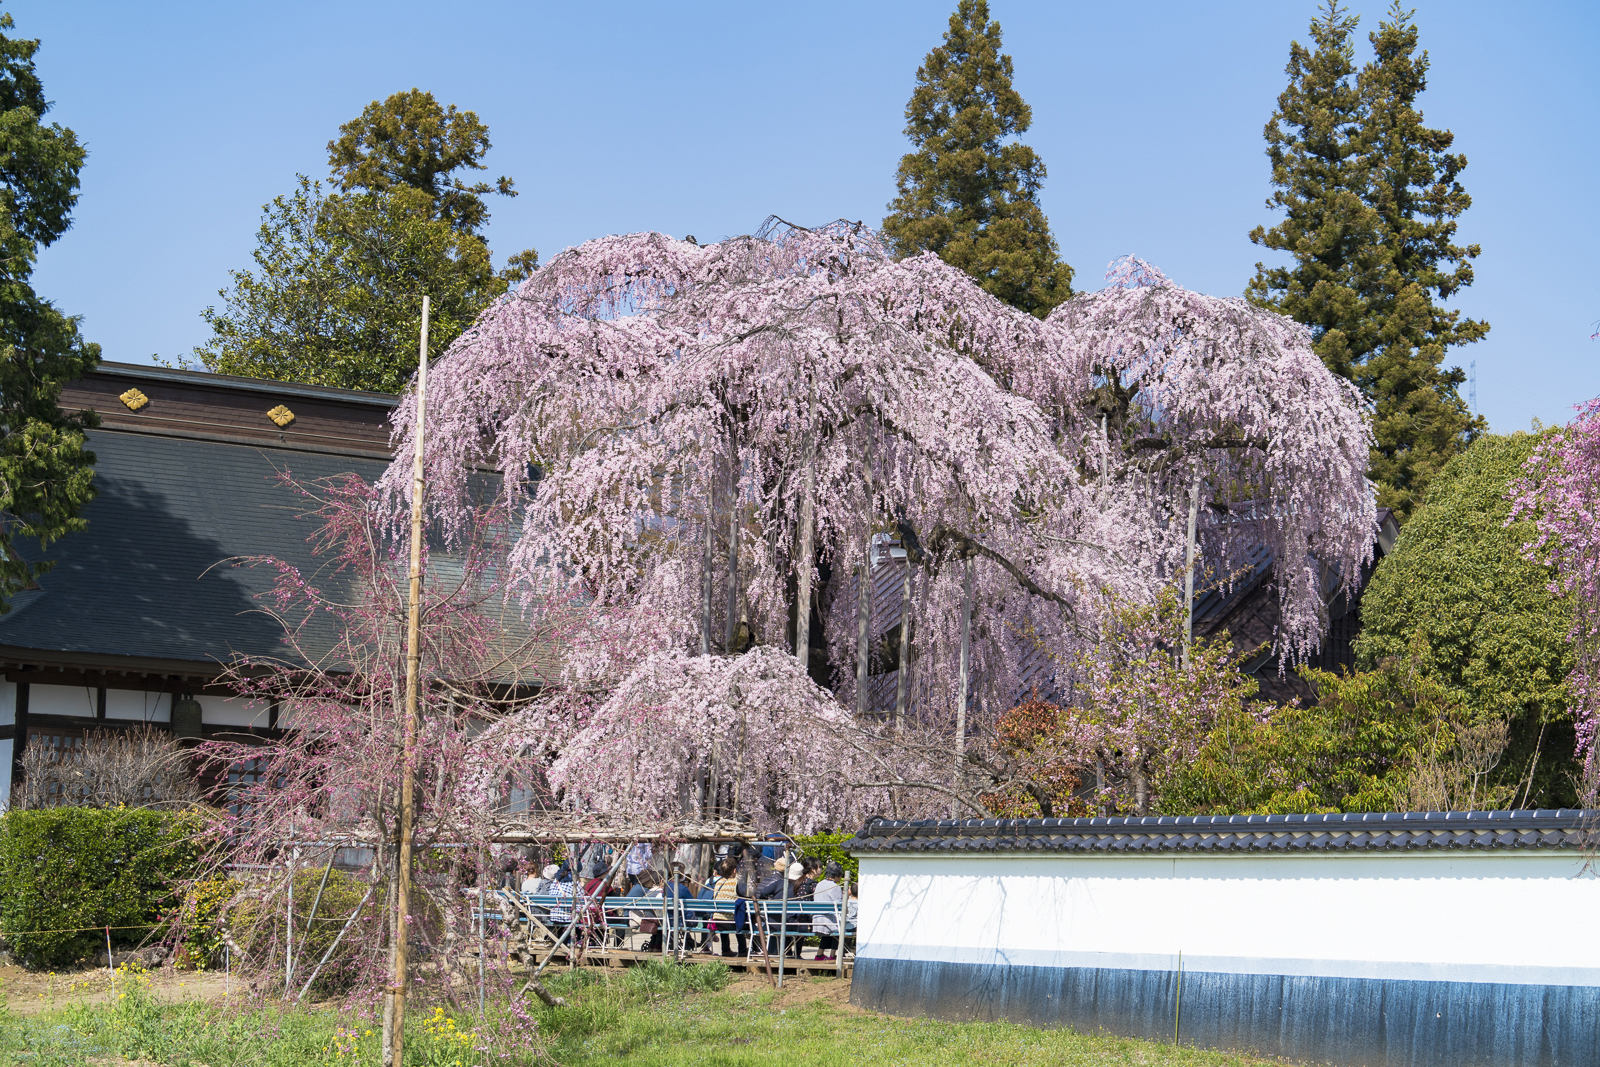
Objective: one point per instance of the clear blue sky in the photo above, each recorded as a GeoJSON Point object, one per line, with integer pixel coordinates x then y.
{"type": "Point", "coordinates": [703, 118]}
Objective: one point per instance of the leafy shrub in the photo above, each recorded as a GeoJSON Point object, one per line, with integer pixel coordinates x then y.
{"type": "Point", "coordinates": [831, 845]}
{"type": "Point", "coordinates": [202, 919]}
{"type": "Point", "coordinates": [259, 929]}
{"type": "Point", "coordinates": [68, 873]}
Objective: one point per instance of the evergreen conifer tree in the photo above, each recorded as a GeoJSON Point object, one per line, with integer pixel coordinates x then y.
{"type": "Point", "coordinates": [46, 473]}
{"type": "Point", "coordinates": [968, 193]}
{"type": "Point", "coordinates": [1370, 197]}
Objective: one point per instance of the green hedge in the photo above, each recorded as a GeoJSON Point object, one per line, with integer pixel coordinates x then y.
{"type": "Point", "coordinates": [66, 869]}
{"type": "Point", "coordinates": [831, 845]}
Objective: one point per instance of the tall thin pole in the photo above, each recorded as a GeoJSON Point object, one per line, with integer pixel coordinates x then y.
{"type": "Point", "coordinates": [705, 572]}
{"type": "Point", "coordinates": [483, 903]}
{"type": "Point", "coordinates": [730, 629]}
{"type": "Point", "coordinates": [1188, 567]}
{"type": "Point", "coordinates": [966, 662]}
{"type": "Point", "coordinates": [802, 594]}
{"type": "Point", "coordinates": [413, 668]}
{"type": "Point", "coordinates": [902, 680]}
{"type": "Point", "coordinates": [863, 626]}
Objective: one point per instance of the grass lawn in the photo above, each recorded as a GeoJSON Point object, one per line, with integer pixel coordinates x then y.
{"type": "Point", "coordinates": [653, 1015]}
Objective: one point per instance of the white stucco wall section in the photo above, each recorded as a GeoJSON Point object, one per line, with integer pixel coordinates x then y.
{"type": "Point", "coordinates": [78, 700]}
{"type": "Point", "coordinates": [8, 703]}
{"type": "Point", "coordinates": [234, 711]}
{"type": "Point", "coordinates": [6, 749]}
{"type": "Point", "coordinates": [140, 706]}
{"type": "Point", "coordinates": [1506, 916]}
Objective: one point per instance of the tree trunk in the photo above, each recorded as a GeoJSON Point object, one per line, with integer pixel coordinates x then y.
{"type": "Point", "coordinates": [1188, 568]}
{"type": "Point", "coordinates": [706, 584]}
{"type": "Point", "coordinates": [1141, 786]}
{"type": "Point", "coordinates": [863, 633]}
{"type": "Point", "coordinates": [730, 629]}
{"type": "Point", "coordinates": [902, 680]}
{"type": "Point", "coordinates": [966, 662]}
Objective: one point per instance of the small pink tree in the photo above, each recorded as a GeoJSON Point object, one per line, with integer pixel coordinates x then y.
{"type": "Point", "coordinates": [333, 777]}
{"type": "Point", "coordinates": [1560, 492]}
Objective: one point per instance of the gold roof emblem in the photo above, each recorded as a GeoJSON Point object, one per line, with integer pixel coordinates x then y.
{"type": "Point", "coordinates": [281, 415]}
{"type": "Point", "coordinates": [133, 400]}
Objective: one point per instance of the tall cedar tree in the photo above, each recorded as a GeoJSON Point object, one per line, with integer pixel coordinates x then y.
{"type": "Point", "coordinates": [1370, 197]}
{"type": "Point", "coordinates": [46, 475]}
{"type": "Point", "coordinates": [967, 193]}
{"type": "Point", "coordinates": [336, 295]}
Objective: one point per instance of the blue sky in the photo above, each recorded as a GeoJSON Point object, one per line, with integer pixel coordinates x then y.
{"type": "Point", "coordinates": [704, 118]}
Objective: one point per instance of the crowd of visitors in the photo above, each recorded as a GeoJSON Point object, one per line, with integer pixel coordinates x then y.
{"type": "Point", "coordinates": [737, 876]}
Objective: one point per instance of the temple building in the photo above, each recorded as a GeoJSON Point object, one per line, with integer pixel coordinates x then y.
{"type": "Point", "coordinates": [144, 608]}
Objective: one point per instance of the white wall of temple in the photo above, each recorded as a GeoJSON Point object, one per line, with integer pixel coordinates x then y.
{"type": "Point", "coordinates": [1429, 916]}
{"type": "Point", "coordinates": [234, 711]}
{"type": "Point", "coordinates": [125, 705]}
{"type": "Point", "coordinates": [5, 773]}
{"type": "Point", "coordinates": [8, 703]}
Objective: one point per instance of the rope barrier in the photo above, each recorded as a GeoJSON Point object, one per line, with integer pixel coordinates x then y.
{"type": "Point", "coordinates": [79, 930]}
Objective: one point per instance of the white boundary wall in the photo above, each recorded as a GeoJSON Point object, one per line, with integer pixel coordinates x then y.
{"type": "Point", "coordinates": [1507, 916]}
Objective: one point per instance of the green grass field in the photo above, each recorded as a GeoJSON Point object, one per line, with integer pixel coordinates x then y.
{"type": "Point", "coordinates": [654, 1015]}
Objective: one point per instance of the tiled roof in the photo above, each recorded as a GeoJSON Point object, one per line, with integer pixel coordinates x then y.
{"type": "Point", "coordinates": [154, 578]}
{"type": "Point", "coordinates": [1364, 832]}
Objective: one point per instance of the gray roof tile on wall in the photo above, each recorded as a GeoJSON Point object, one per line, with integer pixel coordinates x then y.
{"type": "Point", "coordinates": [1361, 832]}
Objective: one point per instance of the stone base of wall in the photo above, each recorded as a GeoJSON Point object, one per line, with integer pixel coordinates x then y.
{"type": "Point", "coordinates": [1351, 1022]}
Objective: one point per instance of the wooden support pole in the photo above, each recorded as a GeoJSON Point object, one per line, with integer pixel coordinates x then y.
{"type": "Point", "coordinates": [966, 663]}
{"type": "Point", "coordinates": [706, 559]}
{"type": "Point", "coordinates": [902, 682]}
{"type": "Point", "coordinates": [396, 1019]}
{"type": "Point", "coordinates": [730, 627]}
{"type": "Point", "coordinates": [863, 632]}
{"type": "Point", "coordinates": [1188, 567]}
{"type": "Point", "coordinates": [802, 596]}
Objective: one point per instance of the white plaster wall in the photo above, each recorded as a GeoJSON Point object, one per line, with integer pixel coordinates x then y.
{"type": "Point", "coordinates": [1512, 916]}
{"type": "Point", "coordinates": [5, 773]}
{"type": "Point", "coordinates": [233, 711]}
{"type": "Point", "coordinates": [62, 700]}
{"type": "Point", "coordinates": [8, 703]}
{"type": "Point", "coordinates": [137, 705]}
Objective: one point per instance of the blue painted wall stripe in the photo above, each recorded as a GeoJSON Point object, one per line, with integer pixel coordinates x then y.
{"type": "Point", "coordinates": [1502, 973]}
{"type": "Point", "coordinates": [1352, 1022]}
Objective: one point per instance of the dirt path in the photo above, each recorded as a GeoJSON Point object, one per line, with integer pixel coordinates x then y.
{"type": "Point", "coordinates": [29, 992]}
{"type": "Point", "coordinates": [797, 992]}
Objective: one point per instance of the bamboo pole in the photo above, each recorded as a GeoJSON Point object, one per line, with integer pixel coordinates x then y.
{"type": "Point", "coordinates": [863, 626]}
{"type": "Point", "coordinates": [802, 595]}
{"type": "Point", "coordinates": [483, 905]}
{"type": "Point", "coordinates": [706, 560]}
{"type": "Point", "coordinates": [316, 902]}
{"type": "Point", "coordinates": [783, 921]}
{"type": "Point", "coordinates": [902, 682]}
{"type": "Point", "coordinates": [337, 938]}
{"type": "Point", "coordinates": [397, 991]}
{"type": "Point", "coordinates": [966, 670]}
{"type": "Point", "coordinates": [1188, 567]}
{"type": "Point", "coordinates": [730, 628]}
{"type": "Point", "coordinates": [844, 912]}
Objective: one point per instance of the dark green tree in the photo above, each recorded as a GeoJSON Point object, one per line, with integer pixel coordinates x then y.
{"type": "Point", "coordinates": [970, 191]}
{"type": "Point", "coordinates": [336, 294]}
{"type": "Point", "coordinates": [1369, 199]}
{"type": "Point", "coordinates": [1413, 184]}
{"type": "Point", "coordinates": [411, 140]}
{"type": "Point", "coordinates": [1492, 634]}
{"type": "Point", "coordinates": [46, 475]}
